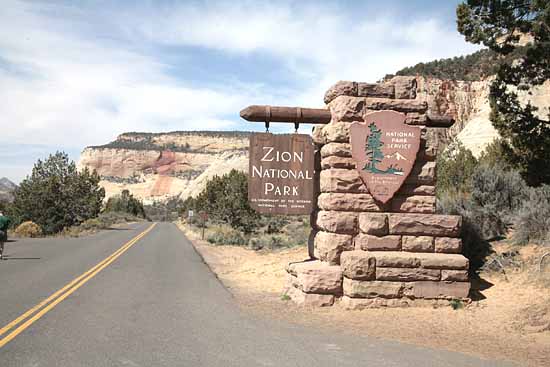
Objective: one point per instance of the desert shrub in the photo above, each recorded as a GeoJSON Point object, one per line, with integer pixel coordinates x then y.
{"type": "Point", "coordinates": [455, 167]}
{"type": "Point", "coordinates": [532, 223]}
{"type": "Point", "coordinates": [498, 191]}
{"type": "Point", "coordinates": [225, 199]}
{"type": "Point", "coordinates": [475, 228]}
{"type": "Point", "coordinates": [92, 224]}
{"type": "Point", "coordinates": [28, 229]}
{"type": "Point", "coordinates": [493, 155]}
{"type": "Point", "coordinates": [125, 203]}
{"type": "Point", "coordinates": [224, 235]}
{"type": "Point", "coordinates": [271, 242]}
{"type": "Point", "coordinates": [103, 221]}
{"type": "Point", "coordinates": [165, 210]}
{"type": "Point", "coordinates": [274, 223]}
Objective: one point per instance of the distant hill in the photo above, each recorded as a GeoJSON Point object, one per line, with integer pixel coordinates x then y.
{"type": "Point", "coordinates": [473, 67]}
{"type": "Point", "coordinates": [158, 141]}
{"type": "Point", "coordinates": [6, 189]}
{"type": "Point", "coordinates": [158, 166]}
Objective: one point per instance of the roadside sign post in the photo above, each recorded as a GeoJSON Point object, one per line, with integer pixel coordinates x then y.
{"type": "Point", "coordinates": [281, 173]}
{"type": "Point", "coordinates": [204, 218]}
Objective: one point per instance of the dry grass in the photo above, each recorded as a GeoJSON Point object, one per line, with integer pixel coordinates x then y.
{"type": "Point", "coordinates": [509, 321]}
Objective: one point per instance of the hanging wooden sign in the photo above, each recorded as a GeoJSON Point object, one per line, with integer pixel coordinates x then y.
{"type": "Point", "coordinates": [280, 178]}
{"type": "Point", "coordinates": [385, 150]}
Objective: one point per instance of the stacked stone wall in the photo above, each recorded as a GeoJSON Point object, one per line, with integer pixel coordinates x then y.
{"type": "Point", "coordinates": [369, 254]}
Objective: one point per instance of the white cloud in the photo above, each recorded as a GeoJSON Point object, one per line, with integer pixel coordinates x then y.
{"type": "Point", "coordinates": [71, 91]}
{"type": "Point", "coordinates": [66, 82]}
{"type": "Point", "coordinates": [317, 42]}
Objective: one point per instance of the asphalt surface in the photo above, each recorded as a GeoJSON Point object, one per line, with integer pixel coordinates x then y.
{"type": "Point", "coordinates": [158, 304]}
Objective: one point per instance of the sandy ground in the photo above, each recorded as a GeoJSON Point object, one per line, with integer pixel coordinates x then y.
{"type": "Point", "coordinates": [509, 321]}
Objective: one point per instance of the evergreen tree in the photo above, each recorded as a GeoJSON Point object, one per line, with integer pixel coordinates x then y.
{"type": "Point", "coordinates": [225, 199]}
{"type": "Point", "coordinates": [373, 148]}
{"type": "Point", "coordinates": [499, 25]}
{"type": "Point", "coordinates": [125, 203]}
{"type": "Point", "coordinates": [56, 195]}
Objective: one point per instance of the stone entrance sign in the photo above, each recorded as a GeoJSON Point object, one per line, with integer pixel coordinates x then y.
{"type": "Point", "coordinates": [385, 150]}
{"type": "Point", "coordinates": [281, 173]}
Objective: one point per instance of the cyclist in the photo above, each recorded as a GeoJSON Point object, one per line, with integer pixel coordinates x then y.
{"type": "Point", "coordinates": [4, 224]}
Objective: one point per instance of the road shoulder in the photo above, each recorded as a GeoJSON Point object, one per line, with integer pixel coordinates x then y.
{"type": "Point", "coordinates": [486, 328]}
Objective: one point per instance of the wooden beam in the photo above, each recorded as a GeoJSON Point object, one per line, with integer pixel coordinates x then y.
{"type": "Point", "coordinates": [439, 120]}
{"type": "Point", "coordinates": [286, 114]}
{"type": "Point", "coordinates": [302, 115]}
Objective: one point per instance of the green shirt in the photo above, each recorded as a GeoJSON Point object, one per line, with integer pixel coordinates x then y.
{"type": "Point", "coordinates": [4, 223]}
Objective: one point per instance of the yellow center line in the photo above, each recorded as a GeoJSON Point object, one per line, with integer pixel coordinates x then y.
{"type": "Point", "coordinates": [57, 293]}
{"type": "Point", "coordinates": [71, 287]}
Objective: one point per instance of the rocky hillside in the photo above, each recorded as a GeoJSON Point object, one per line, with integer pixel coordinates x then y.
{"type": "Point", "coordinates": [6, 189]}
{"type": "Point", "coordinates": [468, 103]}
{"type": "Point", "coordinates": [158, 166]}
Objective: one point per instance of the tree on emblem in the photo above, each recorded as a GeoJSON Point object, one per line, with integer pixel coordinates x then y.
{"type": "Point", "coordinates": [373, 149]}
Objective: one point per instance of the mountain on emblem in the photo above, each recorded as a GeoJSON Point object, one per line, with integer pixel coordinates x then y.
{"type": "Point", "coordinates": [385, 149]}
{"type": "Point", "coordinates": [397, 156]}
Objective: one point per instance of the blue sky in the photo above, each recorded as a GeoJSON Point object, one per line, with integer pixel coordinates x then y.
{"type": "Point", "coordinates": [79, 73]}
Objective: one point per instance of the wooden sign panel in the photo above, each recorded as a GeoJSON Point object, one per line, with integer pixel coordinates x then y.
{"type": "Point", "coordinates": [280, 178]}
{"type": "Point", "coordinates": [385, 150]}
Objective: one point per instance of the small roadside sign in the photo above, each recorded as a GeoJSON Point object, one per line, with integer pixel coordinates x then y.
{"type": "Point", "coordinates": [190, 214]}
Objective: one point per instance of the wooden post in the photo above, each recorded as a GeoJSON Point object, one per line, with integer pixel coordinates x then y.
{"type": "Point", "coordinates": [300, 115]}
{"type": "Point", "coordinates": [286, 114]}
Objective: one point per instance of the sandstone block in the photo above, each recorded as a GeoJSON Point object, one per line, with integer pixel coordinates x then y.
{"type": "Point", "coordinates": [413, 204]}
{"type": "Point", "coordinates": [407, 274]}
{"type": "Point", "coordinates": [338, 222]}
{"type": "Point", "coordinates": [373, 223]}
{"type": "Point", "coordinates": [416, 190]}
{"type": "Point", "coordinates": [337, 162]}
{"type": "Point", "coordinates": [405, 86]}
{"type": "Point", "coordinates": [336, 132]}
{"type": "Point", "coordinates": [415, 118]}
{"type": "Point", "coordinates": [417, 243]}
{"type": "Point", "coordinates": [436, 138]}
{"type": "Point", "coordinates": [316, 277]}
{"type": "Point", "coordinates": [349, 303]}
{"type": "Point", "coordinates": [371, 289]}
{"type": "Point", "coordinates": [336, 149]}
{"type": "Point", "coordinates": [317, 134]}
{"type": "Point", "coordinates": [383, 90]}
{"type": "Point", "coordinates": [443, 261]}
{"type": "Point", "coordinates": [358, 265]}
{"type": "Point", "coordinates": [425, 224]}
{"type": "Point", "coordinates": [401, 105]}
{"type": "Point", "coordinates": [423, 173]}
{"type": "Point", "coordinates": [341, 180]}
{"type": "Point", "coordinates": [342, 88]}
{"type": "Point", "coordinates": [448, 245]}
{"type": "Point", "coordinates": [329, 246]}
{"type": "Point", "coordinates": [395, 259]}
{"type": "Point", "coordinates": [347, 109]}
{"type": "Point", "coordinates": [428, 289]}
{"type": "Point", "coordinates": [426, 154]}
{"type": "Point", "coordinates": [310, 299]}
{"type": "Point", "coordinates": [368, 242]}
{"type": "Point", "coordinates": [311, 238]}
{"type": "Point", "coordinates": [454, 275]}
{"type": "Point", "coordinates": [348, 202]}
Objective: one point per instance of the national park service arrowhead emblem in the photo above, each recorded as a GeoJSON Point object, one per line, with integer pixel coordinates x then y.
{"type": "Point", "coordinates": [384, 149]}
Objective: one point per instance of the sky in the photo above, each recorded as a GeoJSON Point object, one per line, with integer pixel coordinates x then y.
{"type": "Point", "coordinates": [78, 73]}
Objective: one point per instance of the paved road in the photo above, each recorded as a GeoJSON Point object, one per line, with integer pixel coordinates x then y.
{"type": "Point", "coordinates": [158, 304]}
